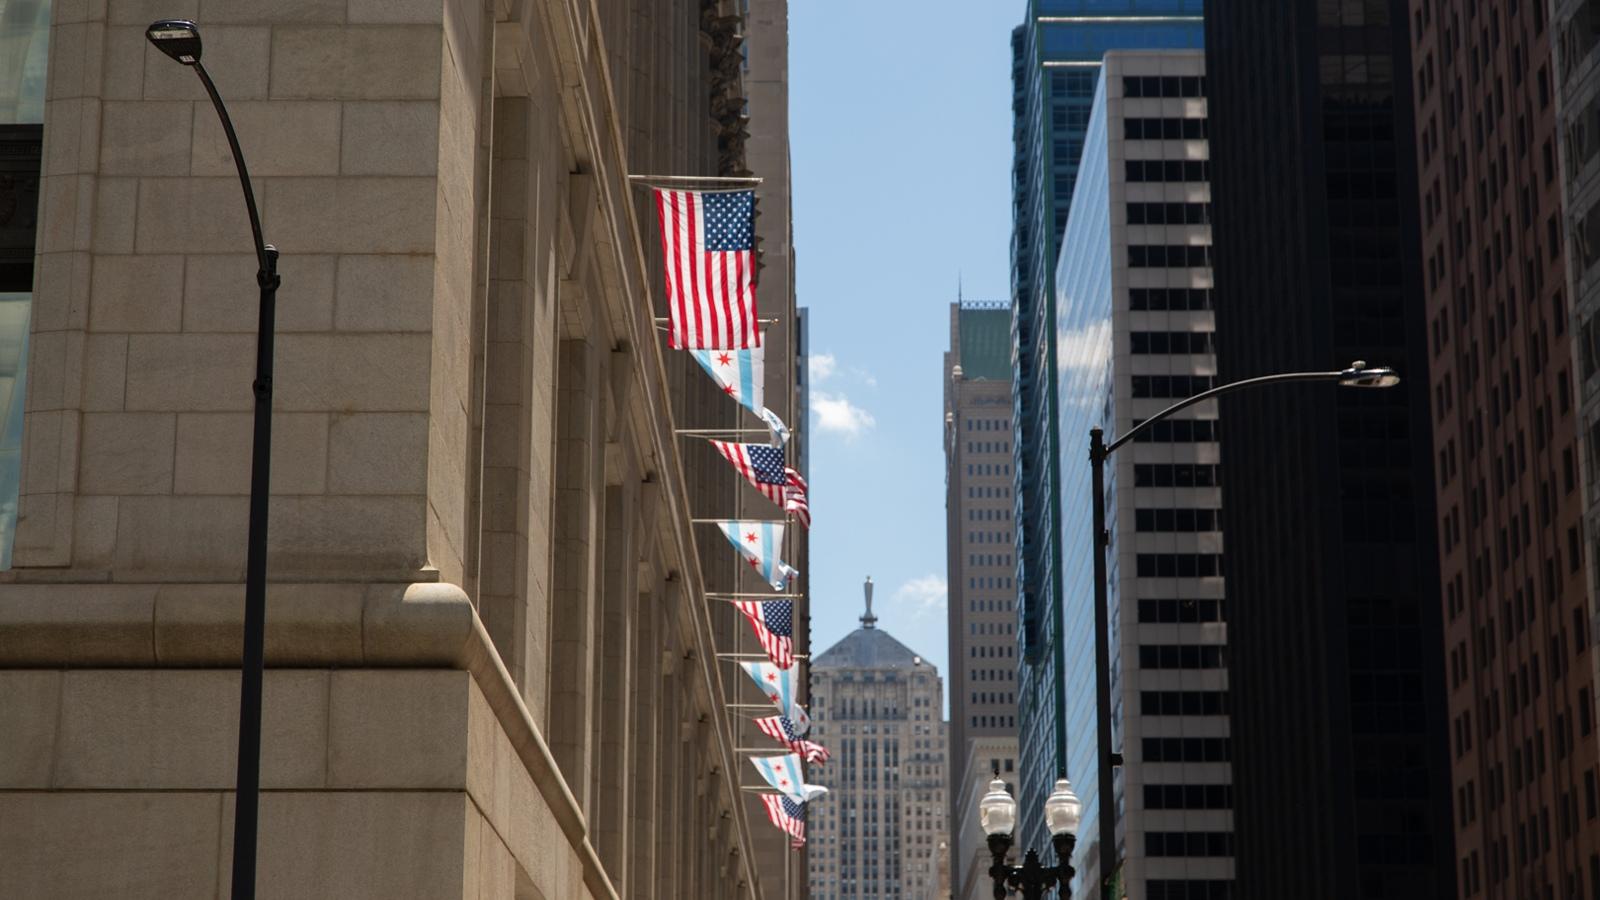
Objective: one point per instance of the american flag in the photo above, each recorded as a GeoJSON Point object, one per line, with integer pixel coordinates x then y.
{"type": "Point", "coordinates": [762, 465]}
{"type": "Point", "coordinates": [707, 243]}
{"type": "Point", "coordinates": [773, 621]}
{"type": "Point", "coordinates": [783, 731]}
{"type": "Point", "coordinates": [788, 815]}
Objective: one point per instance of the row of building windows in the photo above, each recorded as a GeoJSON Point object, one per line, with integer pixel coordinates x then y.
{"type": "Point", "coordinates": [1167, 611]}
{"type": "Point", "coordinates": [988, 424]}
{"type": "Point", "coordinates": [989, 697]}
{"type": "Point", "coordinates": [1177, 475]}
{"type": "Point", "coordinates": [1171, 749]}
{"type": "Point", "coordinates": [1145, 342]}
{"type": "Point", "coordinates": [994, 721]}
{"type": "Point", "coordinates": [1188, 796]}
{"type": "Point", "coordinates": [1171, 386]}
{"type": "Point", "coordinates": [988, 469]}
{"type": "Point", "coordinates": [1167, 170]}
{"type": "Point", "coordinates": [1169, 213]}
{"type": "Point", "coordinates": [1169, 256]}
{"type": "Point", "coordinates": [1163, 299]}
{"type": "Point", "coordinates": [1183, 703]}
{"type": "Point", "coordinates": [1164, 129]}
{"type": "Point", "coordinates": [1176, 519]}
{"type": "Point", "coordinates": [1174, 656]}
{"type": "Point", "coordinates": [1180, 431]}
{"type": "Point", "coordinates": [1179, 565]}
{"type": "Point", "coordinates": [989, 559]}
{"type": "Point", "coordinates": [1188, 843]}
{"type": "Point", "coordinates": [988, 446]}
{"type": "Point", "coordinates": [1188, 889]}
{"type": "Point", "coordinates": [1164, 86]}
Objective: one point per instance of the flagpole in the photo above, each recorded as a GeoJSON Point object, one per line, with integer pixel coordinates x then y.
{"type": "Point", "coordinates": [719, 432]}
{"type": "Point", "coordinates": [693, 179]}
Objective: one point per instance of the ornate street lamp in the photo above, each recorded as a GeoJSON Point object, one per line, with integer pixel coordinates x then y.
{"type": "Point", "coordinates": [997, 812]}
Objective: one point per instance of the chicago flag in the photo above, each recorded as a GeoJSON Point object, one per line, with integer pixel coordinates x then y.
{"type": "Point", "coordinates": [741, 374]}
{"type": "Point", "coordinates": [784, 773]}
{"type": "Point", "coordinates": [759, 544]}
{"type": "Point", "coordinates": [782, 687]}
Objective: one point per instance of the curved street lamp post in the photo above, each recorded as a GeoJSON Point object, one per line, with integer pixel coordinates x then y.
{"type": "Point", "coordinates": [997, 813]}
{"type": "Point", "coordinates": [180, 39]}
{"type": "Point", "coordinates": [1358, 375]}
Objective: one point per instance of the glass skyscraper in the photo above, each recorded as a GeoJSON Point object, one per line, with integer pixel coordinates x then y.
{"type": "Point", "coordinates": [1056, 58]}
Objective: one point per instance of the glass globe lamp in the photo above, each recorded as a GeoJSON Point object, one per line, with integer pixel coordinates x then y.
{"type": "Point", "coordinates": [997, 811]}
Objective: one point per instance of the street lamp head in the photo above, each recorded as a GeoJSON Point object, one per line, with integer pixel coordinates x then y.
{"type": "Point", "coordinates": [997, 811]}
{"type": "Point", "coordinates": [1062, 809]}
{"type": "Point", "coordinates": [177, 38]}
{"type": "Point", "coordinates": [1363, 376]}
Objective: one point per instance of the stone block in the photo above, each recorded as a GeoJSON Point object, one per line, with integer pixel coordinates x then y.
{"type": "Point", "coordinates": [279, 12]}
{"type": "Point", "coordinates": [75, 57]}
{"type": "Point", "coordinates": [143, 12]}
{"type": "Point", "coordinates": [115, 203]}
{"type": "Point", "coordinates": [110, 624]}
{"type": "Point", "coordinates": [167, 729]}
{"type": "Point", "coordinates": [397, 729]}
{"type": "Point", "coordinates": [94, 532]}
{"type": "Point", "coordinates": [126, 453]}
{"type": "Point", "coordinates": [136, 293]}
{"type": "Point", "coordinates": [146, 137]}
{"type": "Point", "coordinates": [132, 846]}
{"type": "Point", "coordinates": [236, 57]}
{"type": "Point", "coordinates": [351, 215]}
{"type": "Point", "coordinates": [28, 714]}
{"type": "Point", "coordinates": [220, 293]}
{"type": "Point", "coordinates": [61, 300]}
{"type": "Point", "coordinates": [55, 362]}
{"type": "Point", "coordinates": [105, 365]}
{"type": "Point", "coordinates": [192, 215]}
{"type": "Point", "coordinates": [50, 452]}
{"type": "Point", "coordinates": [190, 372]}
{"type": "Point", "coordinates": [213, 453]}
{"type": "Point", "coordinates": [367, 372]}
{"type": "Point", "coordinates": [122, 70]}
{"type": "Point", "coordinates": [307, 624]}
{"type": "Point", "coordinates": [384, 293]}
{"type": "Point", "coordinates": [348, 535]}
{"type": "Point", "coordinates": [378, 453]}
{"type": "Point", "coordinates": [390, 138]}
{"type": "Point", "coordinates": [421, 12]}
{"type": "Point", "coordinates": [192, 538]}
{"type": "Point", "coordinates": [380, 62]}
{"type": "Point", "coordinates": [357, 845]}
{"type": "Point", "coordinates": [73, 143]}
{"type": "Point", "coordinates": [284, 138]}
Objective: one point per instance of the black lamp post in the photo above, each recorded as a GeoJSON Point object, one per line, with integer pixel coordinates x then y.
{"type": "Point", "coordinates": [180, 39]}
{"type": "Point", "coordinates": [1359, 374]}
{"type": "Point", "coordinates": [997, 812]}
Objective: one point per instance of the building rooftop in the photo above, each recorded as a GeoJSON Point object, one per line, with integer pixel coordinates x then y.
{"type": "Point", "coordinates": [986, 342]}
{"type": "Point", "coordinates": [869, 648]}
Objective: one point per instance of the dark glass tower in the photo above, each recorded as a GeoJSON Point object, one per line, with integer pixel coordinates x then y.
{"type": "Point", "coordinates": [1341, 773]}
{"type": "Point", "coordinates": [1056, 56]}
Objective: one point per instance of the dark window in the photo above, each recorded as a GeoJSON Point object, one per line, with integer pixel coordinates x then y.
{"type": "Point", "coordinates": [1169, 213]}
{"type": "Point", "coordinates": [1194, 749]}
{"type": "Point", "coordinates": [1176, 656]}
{"type": "Point", "coordinates": [1168, 256]}
{"type": "Point", "coordinates": [20, 155]}
{"type": "Point", "coordinates": [1183, 703]}
{"type": "Point", "coordinates": [1188, 843]}
{"type": "Point", "coordinates": [1142, 342]}
{"type": "Point", "coordinates": [1168, 611]}
{"type": "Point", "coordinates": [1158, 299]}
{"type": "Point", "coordinates": [1171, 386]}
{"type": "Point", "coordinates": [1172, 170]}
{"type": "Point", "coordinates": [1176, 475]}
{"type": "Point", "coordinates": [1185, 520]}
{"type": "Point", "coordinates": [1168, 86]}
{"type": "Point", "coordinates": [1164, 129]}
{"type": "Point", "coordinates": [1188, 796]}
{"type": "Point", "coordinates": [1179, 431]}
{"type": "Point", "coordinates": [1179, 565]}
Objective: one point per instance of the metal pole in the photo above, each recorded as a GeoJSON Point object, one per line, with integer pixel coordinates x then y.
{"type": "Point", "coordinates": [246, 813]}
{"type": "Point", "coordinates": [1106, 791]}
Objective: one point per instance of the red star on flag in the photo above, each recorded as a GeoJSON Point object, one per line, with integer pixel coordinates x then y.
{"type": "Point", "coordinates": [774, 698]}
{"type": "Point", "coordinates": [750, 537]}
{"type": "Point", "coordinates": [724, 359]}
{"type": "Point", "coordinates": [771, 676]}
{"type": "Point", "coordinates": [728, 390]}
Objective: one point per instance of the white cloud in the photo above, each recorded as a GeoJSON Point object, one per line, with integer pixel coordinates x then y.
{"type": "Point", "coordinates": [835, 413]}
{"type": "Point", "coordinates": [921, 596]}
{"type": "Point", "coordinates": [821, 366]}
{"type": "Point", "coordinates": [1082, 353]}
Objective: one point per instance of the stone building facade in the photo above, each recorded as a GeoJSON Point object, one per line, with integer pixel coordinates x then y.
{"type": "Point", "coordinates": [492, 669]}
{"type": "Point", "coordinates": [878, 708]}
{"type": "Point", "coordinates": [978, 537]}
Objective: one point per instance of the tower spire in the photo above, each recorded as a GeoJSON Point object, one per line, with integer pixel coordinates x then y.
{"type": "Point", "coordinates": [869, 620]}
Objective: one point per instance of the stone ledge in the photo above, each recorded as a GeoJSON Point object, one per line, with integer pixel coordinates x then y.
{"type": "Point", "coordinates": [421, 625]}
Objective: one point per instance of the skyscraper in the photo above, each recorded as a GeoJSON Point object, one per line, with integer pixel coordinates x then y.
{"type": "Point", "coordinates": [1334, 628]}
{"type": "Point", "coordinates": [982, 596]}
{"type": "Point", "coordinates": [878, 707]}
{"type": "Point", "coordinates": [1056, 54]}
{"type": "Point", "coordinates": [1133, 306]}
{"type": "Point", "coordinates": [1505, 439]}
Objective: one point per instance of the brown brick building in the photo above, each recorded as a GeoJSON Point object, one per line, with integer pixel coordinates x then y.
{"type": "Point", "coordinates": [1517, 617]}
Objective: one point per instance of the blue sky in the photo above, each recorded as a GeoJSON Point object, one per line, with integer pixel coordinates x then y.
{"type": "Point", "coordinates": [901, 131]}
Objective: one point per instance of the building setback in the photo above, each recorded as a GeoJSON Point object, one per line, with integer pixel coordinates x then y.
{"type": "Point", "coordinates": [1336, 661]}
{"type": "Point", "coordinates": [1133, 303]}
{"type": "Point", "coordinates": [490, 662]}
{"type": "Point", "coordinates": [982, 596]}
{"type": "Point", "coordinates": [1056, 55]}
{"type": "Point", "coordinates": [877, 706]}
{"type": "Point", "coordinates": [1516, 607]}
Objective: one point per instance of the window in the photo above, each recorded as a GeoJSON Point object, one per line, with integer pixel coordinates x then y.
{"type": "Point", "coordinates": [1168, 86]}
{"type": "Point", "coordinates": [1164, 129]}
{"type": "Point", "coordinates": [1179, 431]}
{"type": "Point", "coordinates": [1184, 520]}
{"type": "Point", "coordinates": [1167, 611]}
{"type": "Point", "coordinates": [1188, 749]}
{"type": "Point", "coordinates": [1176, 475]}
{"type": "Point", "coordinates": [1183, 703]}
{"type": "Point", "coordinates": [1179, 342]}
{"type": "Point", "coordinates": [1178, 299]}
{"type": "Point", "coordinates": [1168, 256]}
{"type": "Point", "coordinates": [1173, 170]}
{"type": "Point", "coordinates": [1188, 843]}
{"type": "Point", "coordinates": [1171, 386]}
{"type": "Point", "coordinates": [1188, 796]}
{"type": "Point", "coordinates": [1175, 656]}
